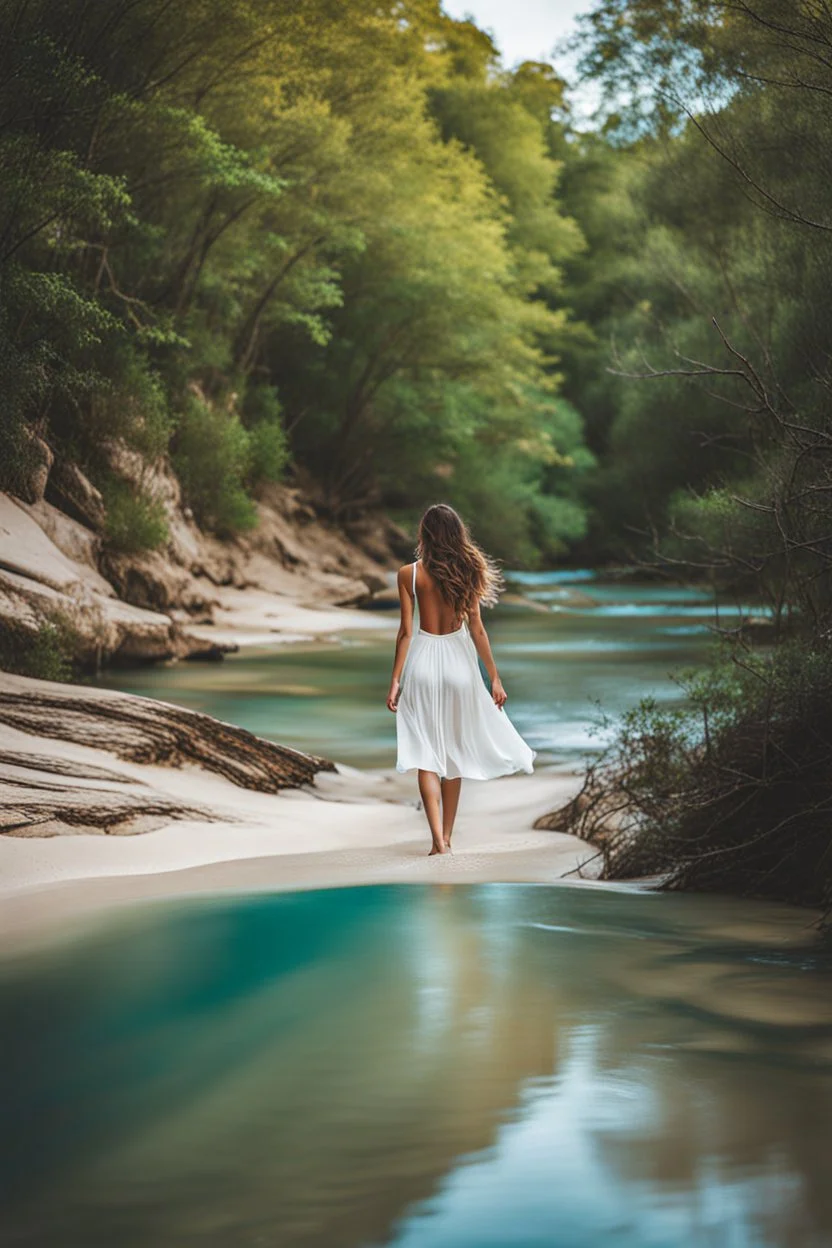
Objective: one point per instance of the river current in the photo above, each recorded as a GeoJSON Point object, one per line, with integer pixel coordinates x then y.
{"type": "Point", "coordinates": [499, 1066]}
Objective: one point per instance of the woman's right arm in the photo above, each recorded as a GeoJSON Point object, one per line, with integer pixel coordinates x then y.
{"type": "Point", "coordinates": [480, 639]}
{"type": "Point", "coordinates": [402, 638]}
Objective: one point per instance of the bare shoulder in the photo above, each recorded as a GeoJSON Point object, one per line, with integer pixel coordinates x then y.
{"type": "Point", "coordinates": [405, 571]}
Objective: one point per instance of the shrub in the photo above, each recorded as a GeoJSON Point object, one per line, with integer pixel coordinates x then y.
{"type": "Point", "coordinates": [269, 452]}
{"type": "Point", "coordinates": [134, 521]}
{"type": "Point", "coordinates": [732, 793]}
{"type": "Point", "coordinates": [19, 457]}
{"type": "Point", "coordinates": [131, 406]}
{"type": "Point", "coordinates": [212, 457]}
{"type": "Point", "coordinates": [268, 444]}
{"type": "Point", "coordinates": [51, 653]}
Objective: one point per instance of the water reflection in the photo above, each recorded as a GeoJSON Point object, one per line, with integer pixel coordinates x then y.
{"type": "Point", "coordinates": [488, 1066]}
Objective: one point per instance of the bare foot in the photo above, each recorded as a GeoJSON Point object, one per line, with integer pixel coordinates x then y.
{"type": "Point", "coordinates": [448, 847]}
{"type": "Point", "coordinates": [437, 850]}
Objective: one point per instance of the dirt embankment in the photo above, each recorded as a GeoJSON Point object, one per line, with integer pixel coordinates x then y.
{"type": "Point", "coordinates": [188, 599]}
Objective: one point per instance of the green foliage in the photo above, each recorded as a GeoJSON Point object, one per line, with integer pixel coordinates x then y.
{"type": "Point", "coordinates": [268, 443]}
{"type": "Point", "coordinates": [705, 285]}
{"type": "Point", "coordinates": [358, 209]}
{"type": "Point", "coordinates": [268, 452]}
{"type": "Point", "coordinates": [134, 522]}
{"type": "Point", "coordinates": [731, 793]}
{"type": "Point", "coordinates": [51, 652]}
{"type": "Point", "coordinates": [352, 206]}
{"type": "Point", "coordinates": [525, 497]}
{"type": "Point", "coordinates": [213, 457]}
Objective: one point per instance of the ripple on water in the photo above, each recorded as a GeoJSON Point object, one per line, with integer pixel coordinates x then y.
{"type": "Point", "coordinates": [494, 1065]}
{"type": "Point", "coordinates": [558, 666]}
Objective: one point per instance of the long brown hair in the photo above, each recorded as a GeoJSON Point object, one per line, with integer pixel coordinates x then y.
{"type": "Point", "coordinates": [463, 573]}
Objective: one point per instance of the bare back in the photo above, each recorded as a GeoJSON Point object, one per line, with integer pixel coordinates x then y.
{"type": "Point", "coordinates": [435, 614]}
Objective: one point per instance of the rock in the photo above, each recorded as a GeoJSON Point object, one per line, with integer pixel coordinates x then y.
{"type": "Point", "coordinates": [39, 807]}
{"type": "Point", "coordinates": [137, 634]}
{"type": "Point", "coordinates": [79, 544]}
{"type": "Point", "coordinates": [379, 538]}
{"type": "Point", "coordinates": [39, 583]}
{"type": "Point", "coordinates": [42, 458]}
{"type": "Point", "coordinates": [141, 730]}
{"type": "Point", "coordinates": [154, 581]}
{"type": "Point", "coordinates": [292, 539]}
{"type": "Point", "coordinates": [137, 607]}
{"type": "Point", "coordinates": [40, 796]}
{"type": "Point", "coordinates": [27, 550]}
{"type": "Point", "coordinates": [202, 650]}
{"type": "Point", "coordinates": [26, 606]}
{"type": "Point", "coordinates": [70, 490]}
{"type": "Point", "coordinates": [386, 599]}
{"type": "Point", "coordinates": [102, 626]}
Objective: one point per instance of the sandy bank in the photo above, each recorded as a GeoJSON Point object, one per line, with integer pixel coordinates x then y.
{"type": "Point", "coordinates": [197, 597]}
{"type": "Point", "coordinates": [346, 827]}
{"type": "Point", "coordinates": [254, 617]}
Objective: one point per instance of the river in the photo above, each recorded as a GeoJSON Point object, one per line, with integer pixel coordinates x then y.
{"type": "Point", "coordinates": [499, 1066]}
{"type": "Point", "coordinates": [591, 649]}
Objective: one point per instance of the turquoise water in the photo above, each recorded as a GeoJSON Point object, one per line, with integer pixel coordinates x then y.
{"type": "Point", "coordinates": [446, 1067]}
{"type": "Point", "coordinates": [422, 1067]}
{"type": "Point", "coordinates": [593, 646]}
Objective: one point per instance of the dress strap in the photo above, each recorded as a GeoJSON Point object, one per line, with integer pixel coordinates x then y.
{"type": "Point", "coordinates": [414, 578]}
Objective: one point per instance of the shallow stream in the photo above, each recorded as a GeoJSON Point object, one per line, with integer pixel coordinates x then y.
{"type": "Point", "coordinates": [497, 1066]}
{"type": "Point", "coordinates": [591, 648]}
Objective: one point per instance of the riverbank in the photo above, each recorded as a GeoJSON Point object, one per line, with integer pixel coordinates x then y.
{"type": "Point", "coordinates": [104, 829]}
{"type": "Point", "coordinates": [197, 596]}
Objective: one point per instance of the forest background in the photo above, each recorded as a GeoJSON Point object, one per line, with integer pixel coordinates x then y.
{"type": "Point", "coordinates": [339, 242]}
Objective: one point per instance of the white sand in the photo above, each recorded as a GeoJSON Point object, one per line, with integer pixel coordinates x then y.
{"type": "Point", "coordinates": [255, 617]}
{"type": "Point", "coordinates": [350, 828]}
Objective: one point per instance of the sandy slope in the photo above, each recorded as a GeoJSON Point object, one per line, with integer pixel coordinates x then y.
{"type": "Point", "coordinates": [254, 617]}
{"type": "Point", "coordinates": [348, 828]}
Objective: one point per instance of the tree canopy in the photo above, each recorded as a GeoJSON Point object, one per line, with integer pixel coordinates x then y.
{"type": "Point", "coordinates": [343, 241]}
{"type": "Point", "coordinates": [252, 235]}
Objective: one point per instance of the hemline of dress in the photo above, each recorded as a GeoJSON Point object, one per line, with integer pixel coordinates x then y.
{"type": "Point", "coordinates": [493, 775]}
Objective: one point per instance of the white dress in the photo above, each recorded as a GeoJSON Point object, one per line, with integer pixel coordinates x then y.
{"type": "Point", "coordinates": [446, 721]}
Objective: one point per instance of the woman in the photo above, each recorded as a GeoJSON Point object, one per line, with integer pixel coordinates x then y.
{"type": "Point", "coordinates": [448, 726]}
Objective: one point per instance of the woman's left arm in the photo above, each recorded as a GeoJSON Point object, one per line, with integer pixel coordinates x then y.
{"type": "Point", "coordinates": [402, 639]}
{"type": "Point", "coordinates": [480, 639]}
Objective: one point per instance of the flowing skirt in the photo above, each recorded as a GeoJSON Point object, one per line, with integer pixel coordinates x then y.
{"type": "Point", "coordinates": [446, 721]}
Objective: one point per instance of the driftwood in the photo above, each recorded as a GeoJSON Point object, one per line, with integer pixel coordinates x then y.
{"type": "Point", "coordinates": [38, 798]}
{"type": "Point", "coordinates": [593, 813]}
{"type": "Point", "coordinates": [41, 795]}
{"type": "Point", "coordinates": [141, 730]}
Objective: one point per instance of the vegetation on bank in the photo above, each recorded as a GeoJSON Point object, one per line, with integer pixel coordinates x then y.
{"type": "Point", "coordinates": [239, 235]}
{"type": "Point", "coordinates": [714, 429]}
{"type": "Point", "coordinates": [50, 651]}
{"type": "Point", "coordinates": [733, 793]}
{"type": "Point", "coordinates": [344, 238]}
